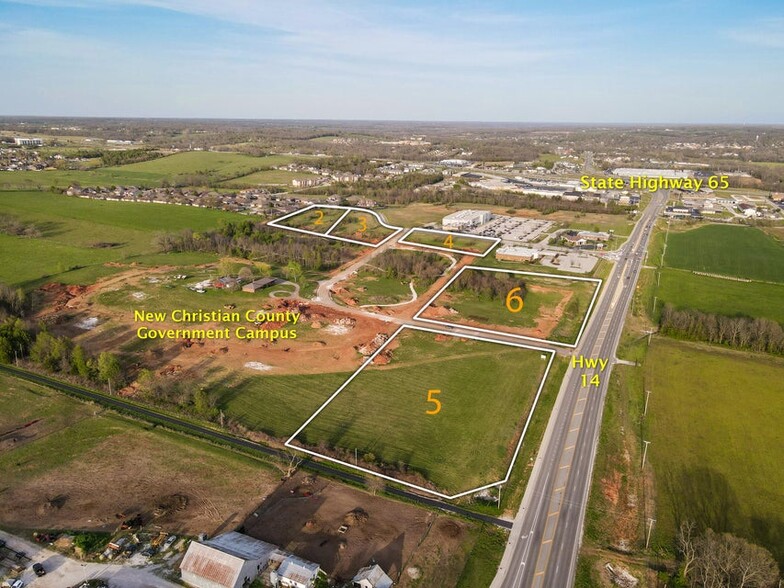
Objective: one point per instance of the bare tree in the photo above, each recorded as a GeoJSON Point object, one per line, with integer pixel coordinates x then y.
{"type": "Point", "coordinates": [722, 560]}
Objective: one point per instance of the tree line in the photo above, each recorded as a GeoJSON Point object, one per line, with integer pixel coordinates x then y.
{"type": "Point", "coordinates": [722, 560]}
{"type": "Point", "coordinates": [10, 225]}
{"type": "Point", "coordinates": [127, 156]}
{"type": "Point", "coordinates": [489, 285]}
{"type": "Point", "coordinates": [424, 267]}
{"type": "Point", "coordinates": [253, 240]}
{"type": "Point", "coordinates": [755, 334]}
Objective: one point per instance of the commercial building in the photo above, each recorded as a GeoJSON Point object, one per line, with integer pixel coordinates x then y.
{"type": "Point", "coordinates": [514, 253]}
{"type": "Point", "coordinates": [628, 172]}
{"type": "Point", "coordinates": [466, 219]}
{"type": "Point", "coordinates": [231, 560]}
{"type": "Point", "coordinates": [28, 141]}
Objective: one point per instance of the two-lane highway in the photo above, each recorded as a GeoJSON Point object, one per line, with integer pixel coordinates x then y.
{"type": "Point", "coordinates": [545, 539]}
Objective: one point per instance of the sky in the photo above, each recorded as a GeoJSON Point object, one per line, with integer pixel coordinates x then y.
{"type": "Point", "coordinates": [592, 61]}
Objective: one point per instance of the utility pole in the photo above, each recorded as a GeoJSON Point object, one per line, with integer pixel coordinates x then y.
{"type": "Point", "coordinates": [356, 461]}
{"type": "Point", "coordinates": [647, 397]}
{"type": "Point", "coordinates": [644, 454]}
{"type": "Point", "coordinates": [650, 528]}
{"type": "Point", "coordinates": [499, 496]}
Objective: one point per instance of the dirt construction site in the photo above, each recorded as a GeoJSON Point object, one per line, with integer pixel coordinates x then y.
{"type": "Point", "coordinates": [327, 339]}
{"type": "Point", "coordinates": [345, 529]}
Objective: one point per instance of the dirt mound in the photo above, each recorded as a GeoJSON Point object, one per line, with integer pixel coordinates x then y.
{"type": "Point", "coordinates": [170, 504]}
{"type": "Point", "coordinates": [358, 516]}
{"type": "Point", "coordinates": [447, 528]}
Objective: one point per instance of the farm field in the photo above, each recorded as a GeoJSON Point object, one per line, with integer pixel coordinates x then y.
{"type": "Point", "coordinates": [75, 467]}
{"type": "Point", "coordinates": [455, 241]}
{"type": "Point", "coordinates": [741, 252]}
{"type": "Point", "coordinates": [487, 391]}
{"type": "Point", "coordinates": [79, 236]}
{"type": "Point", "coordinates": [361, 227]}
{"type": "Point", "coordinates": [553, 308]}
{"type": "Point", "coordinates": [684, 289]}
{"type": "Point", "coordinates": [270, 177]}
{"type": "Point", "coordinates": [318, 220]}
{"type": "Point", "coordinates": [196, 165]}
{"type": "Point", "coordinates": [716, 441]}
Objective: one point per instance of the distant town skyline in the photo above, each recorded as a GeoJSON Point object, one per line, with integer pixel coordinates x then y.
{"type": "Point", "coordinates": [608, 61]}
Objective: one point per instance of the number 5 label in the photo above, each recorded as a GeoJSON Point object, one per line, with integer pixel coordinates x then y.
{"type": "Point", "coordinates": [436, 402]}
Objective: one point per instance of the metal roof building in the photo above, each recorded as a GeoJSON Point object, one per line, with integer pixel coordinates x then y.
{"type": "Point", "coordinates": [372, 577]}
{"type": "Point", "coordinates": [227, 561]}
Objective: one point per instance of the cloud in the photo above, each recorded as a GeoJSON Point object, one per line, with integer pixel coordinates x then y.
{"type": "Point", "coordinates": [767, 33]}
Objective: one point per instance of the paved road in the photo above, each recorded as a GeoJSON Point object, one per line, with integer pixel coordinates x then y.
{"type": "Point", "coordinates": [545, 539]}
{"type": "Point", "coordinates": [152, 416]}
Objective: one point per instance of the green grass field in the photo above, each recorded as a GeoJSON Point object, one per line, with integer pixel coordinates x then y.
{"type": "Point", "coordinates": [270, 177]}
{"type": "Point", "coordinates": [554, 308]}
{"type": "Point", "coordinates": [684, 289]}
{"type": "Point", "coordinates": [79, 236]}
{"type": "Point", "coordinates": [742, 252]}
{"type": "Point", "coordinates": [318, 220]}
{"type": "Point", "coordinates": [176, 168]}
{"type": "Point", "coordinates": [487, 391]}
{"type": "Point", "coordinates": [716, 440]}
{"type": "Point", "coordinates": [275, 405]}
{"type": "Point", "coordinates": [454, 241]}
{"type": "Point", "coordinates": [361, 227]}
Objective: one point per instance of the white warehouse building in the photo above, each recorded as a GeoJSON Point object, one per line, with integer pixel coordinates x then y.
{"type": "Point", "coordinates": [466, 219]}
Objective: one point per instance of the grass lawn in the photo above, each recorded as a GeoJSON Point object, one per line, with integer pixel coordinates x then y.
{"type": "Point", "coordinates": [487, 391]}
{"type": "Point", "coordinates": [484, 559]}
{"type": "Point", "coordinates": [453, 241]}
{"type": "Point", "coordinates": [727, 250]}
{"type": "Point", "coordinates": [275, 405]}
{"type": "Point", "coordinates": [716, 440]}
{"type": "Point", "coordinates": [80, 235]}
{"type": "Point", "coordinates": [318, 220]}
{"type": "Point", "coordinates": [361, 227]}
{"type": "Point", "coordinates": [554, 308]}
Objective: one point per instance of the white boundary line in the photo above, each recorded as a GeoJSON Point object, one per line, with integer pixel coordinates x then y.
{"type": "Point", "coordinates": [348, 209]}
{"type": "Point", "coordinates": [369, 360]}
{"type": "Point", "coordinates": [598, 282]}
{"type": "Point", "coordinates": [495, 241]}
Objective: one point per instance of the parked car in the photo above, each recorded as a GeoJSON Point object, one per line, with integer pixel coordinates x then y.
{"type": "Point", "coordinates": [39, 569]}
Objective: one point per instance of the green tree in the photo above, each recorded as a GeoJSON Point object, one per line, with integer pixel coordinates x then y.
{"type": "Point", "coordinates": [109, 369]}
{"type": "Point", "coordinates": [81, 363]}
{"type": "Point", "coordinates": [293, 271]}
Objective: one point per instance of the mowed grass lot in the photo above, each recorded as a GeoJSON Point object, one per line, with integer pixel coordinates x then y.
{"type": "Point", "coordinates": [716, 440]}
{"type": "Point", "coordinates": [487, 391]}
{"type": "Point", "coordinates": [452, 241]}
{"type": "Point", "coordinates": [742, 252]}
{"type": "Point", "coordinates": [174, 168]}
{"type": "Point", "coordinates": [275, 405]}
{"type": "Point", "coordinates": [100, 463]}
{"type": "Point", "coordinates": [553, 308]}
{"type": "Point", "coordinates": [79, 236]}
